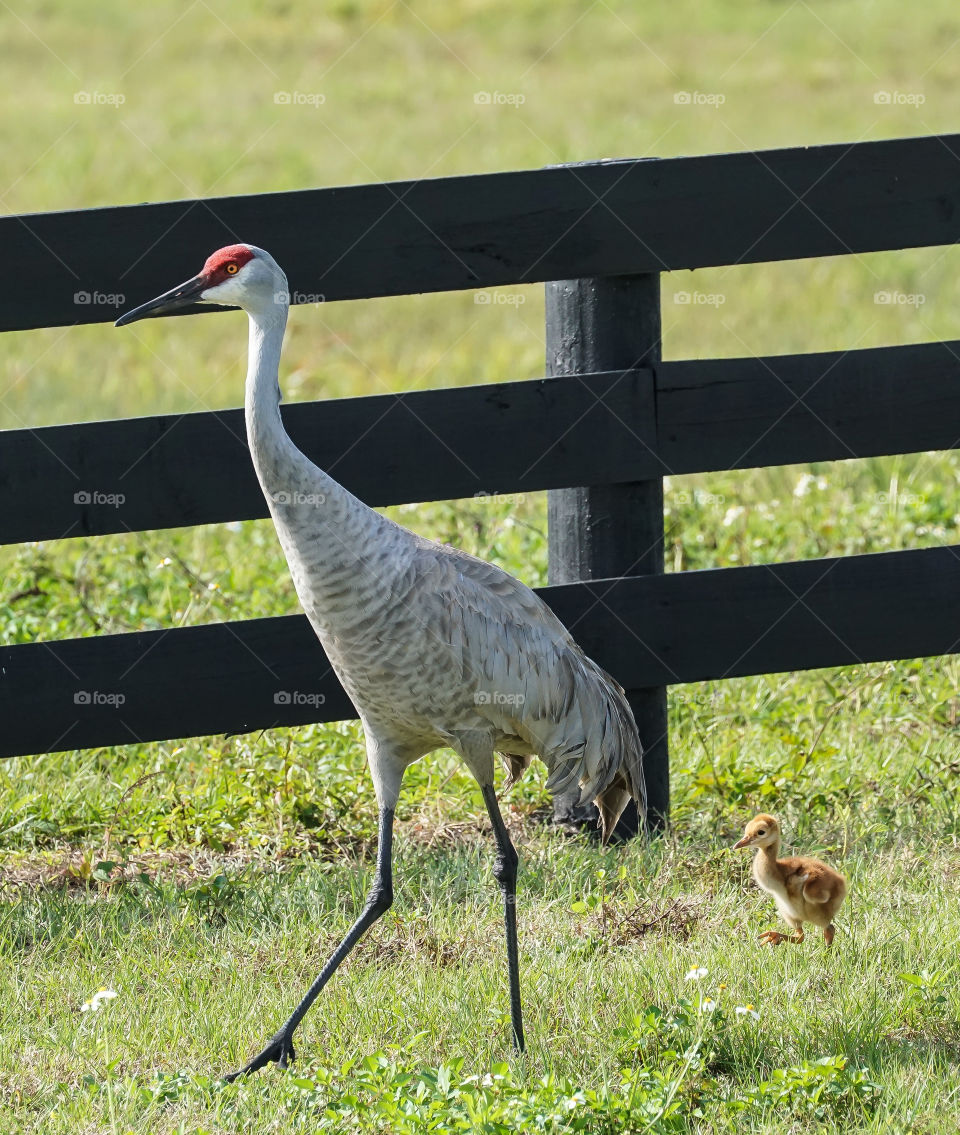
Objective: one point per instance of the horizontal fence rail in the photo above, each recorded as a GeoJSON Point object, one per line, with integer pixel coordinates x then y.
{"type": "Point", "coordinates": [387, 449]}
{"type": "Point", "coordinates": [648, 630]}
{"type": "Point", "coordinates": [597, 219]}
{"type": "Point", "coordinates": [608, 428]}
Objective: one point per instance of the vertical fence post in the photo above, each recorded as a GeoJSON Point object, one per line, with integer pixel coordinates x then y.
{"type": "Point", "coordinates": [610, 323]}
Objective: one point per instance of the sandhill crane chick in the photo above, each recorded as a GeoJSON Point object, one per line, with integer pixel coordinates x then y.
{"type": "Point", "coordinates": [804, 889]}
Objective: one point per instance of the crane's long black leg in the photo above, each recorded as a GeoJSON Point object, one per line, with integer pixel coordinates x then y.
{"type": "Point", "coordinates": [379, 900]}
{"type": "Point", "coordinates": [505, 872]}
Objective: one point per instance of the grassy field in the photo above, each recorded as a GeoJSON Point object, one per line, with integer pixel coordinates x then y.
{"type": "Point", "coordinates": [205, 881]}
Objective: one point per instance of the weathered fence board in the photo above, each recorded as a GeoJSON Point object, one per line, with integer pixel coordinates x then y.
{"type": "Point", "coordinates": [615, 528]}
{"type": "Point", "coordinates": [189, 469]}
{"type": "Point", "coordinates": [746, 413]}
{"type": "Point", "coordinates": [600, 219]}
{"type": "Point", "coordinates": [602, 428]}
{"type": "Point", "coordinates": [648, 630]}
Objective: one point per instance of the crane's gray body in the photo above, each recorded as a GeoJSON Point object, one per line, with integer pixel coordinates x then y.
{"type": "Point", "coordinates": [433, 646]}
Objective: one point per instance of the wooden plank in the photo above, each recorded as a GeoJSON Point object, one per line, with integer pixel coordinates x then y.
{"type": "Point", "coordinates": [616, 529]}
{"type": "Point", "coordinates": [599, 429]}
{"type": "Point", "coordinates": [176, 470]}
{"type": "Point", "coordinates": [746, 413]}
{"type": "Point", "coordinates": [124, 688]}
{"type": "Point", "coordinates": [648, 631]}
{"type": "Point", "coordinates": [802, 615]}
{"type": "Point", "coordinates": [599, 219]}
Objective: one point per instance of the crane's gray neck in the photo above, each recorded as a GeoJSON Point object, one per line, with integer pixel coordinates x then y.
{"type": "Point", "coordinates": [280, 465]}
{"type": "Point", "coordinates": [265, 432]}
{"type": "Point", "coordinates": [335, 545]}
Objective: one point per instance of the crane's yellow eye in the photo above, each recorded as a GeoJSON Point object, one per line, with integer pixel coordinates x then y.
{"type": "Point", "coordinates": [232, 269]}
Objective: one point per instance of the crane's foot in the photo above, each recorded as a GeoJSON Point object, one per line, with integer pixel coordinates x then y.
{"type": "Point", "coordinates": [774, 938]}
{"type": "Point", "coordinates": [279, 1049]}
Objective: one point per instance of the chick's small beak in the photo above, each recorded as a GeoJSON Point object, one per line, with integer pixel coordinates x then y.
{"type": "Point", "coordinates": [181, 296]}
{"type": "Point", "coordinates": [745, 842]}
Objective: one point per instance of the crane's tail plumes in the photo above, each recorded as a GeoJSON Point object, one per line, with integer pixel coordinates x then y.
{"type": "Point", "coordinates": [628, 781]}
{"type": "Point", "coordinates": [608, 762]}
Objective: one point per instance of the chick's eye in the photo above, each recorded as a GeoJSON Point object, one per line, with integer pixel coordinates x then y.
{"type": "Point", "coordinates": [232, 269]}
{"type": "Point", "coordinates": [762, 831]}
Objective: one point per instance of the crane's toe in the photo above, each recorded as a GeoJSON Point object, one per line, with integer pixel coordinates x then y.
{"type": "Point", "coordinates": [278, 1050]}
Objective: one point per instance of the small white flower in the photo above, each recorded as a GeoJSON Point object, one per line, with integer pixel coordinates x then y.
{"type": "Point", "coordinates": [747, 1011]}
{"type": "Point", "coordinates": [803, 485]}
{"type": "Point", "coordinates": [696, 974]}
{"type": "Point", "coordinates": [96, 1001]}
{"type": "Point", "coordinates": [708, 1006]}
{"type": "Point", "coordinates": [732, 515]}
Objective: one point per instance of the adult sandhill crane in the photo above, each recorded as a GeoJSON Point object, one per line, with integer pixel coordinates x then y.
{"type": "Point", "coordinates": [434, 647]}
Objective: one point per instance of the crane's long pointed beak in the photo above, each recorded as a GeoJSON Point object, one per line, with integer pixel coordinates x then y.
{"type": "Point", "coordinates": [181, 296]}
{"type": "Point", "coordinates": [745, 842]}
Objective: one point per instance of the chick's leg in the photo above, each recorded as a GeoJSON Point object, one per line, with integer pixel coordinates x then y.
{"type": "Point", "coordinates": [828, 933]}
{"type": "Point", "coordinates": [774, 937]}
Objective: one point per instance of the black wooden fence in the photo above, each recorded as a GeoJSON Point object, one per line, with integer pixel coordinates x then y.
{"type": "Point", "coordinates": [599, 234]}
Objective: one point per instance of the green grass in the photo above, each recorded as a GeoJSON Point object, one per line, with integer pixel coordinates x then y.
{"type": "Point", "coordinates": [206, 966]}
{"type": "Point", "coordinates": [206, 880]}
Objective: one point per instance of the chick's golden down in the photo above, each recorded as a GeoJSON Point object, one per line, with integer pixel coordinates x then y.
{"type": "Point", "coordinates": [804, 889]}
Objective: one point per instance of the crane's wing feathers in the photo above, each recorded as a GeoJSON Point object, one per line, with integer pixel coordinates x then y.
{"type": "Point", "coordinates": [534, 684]}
